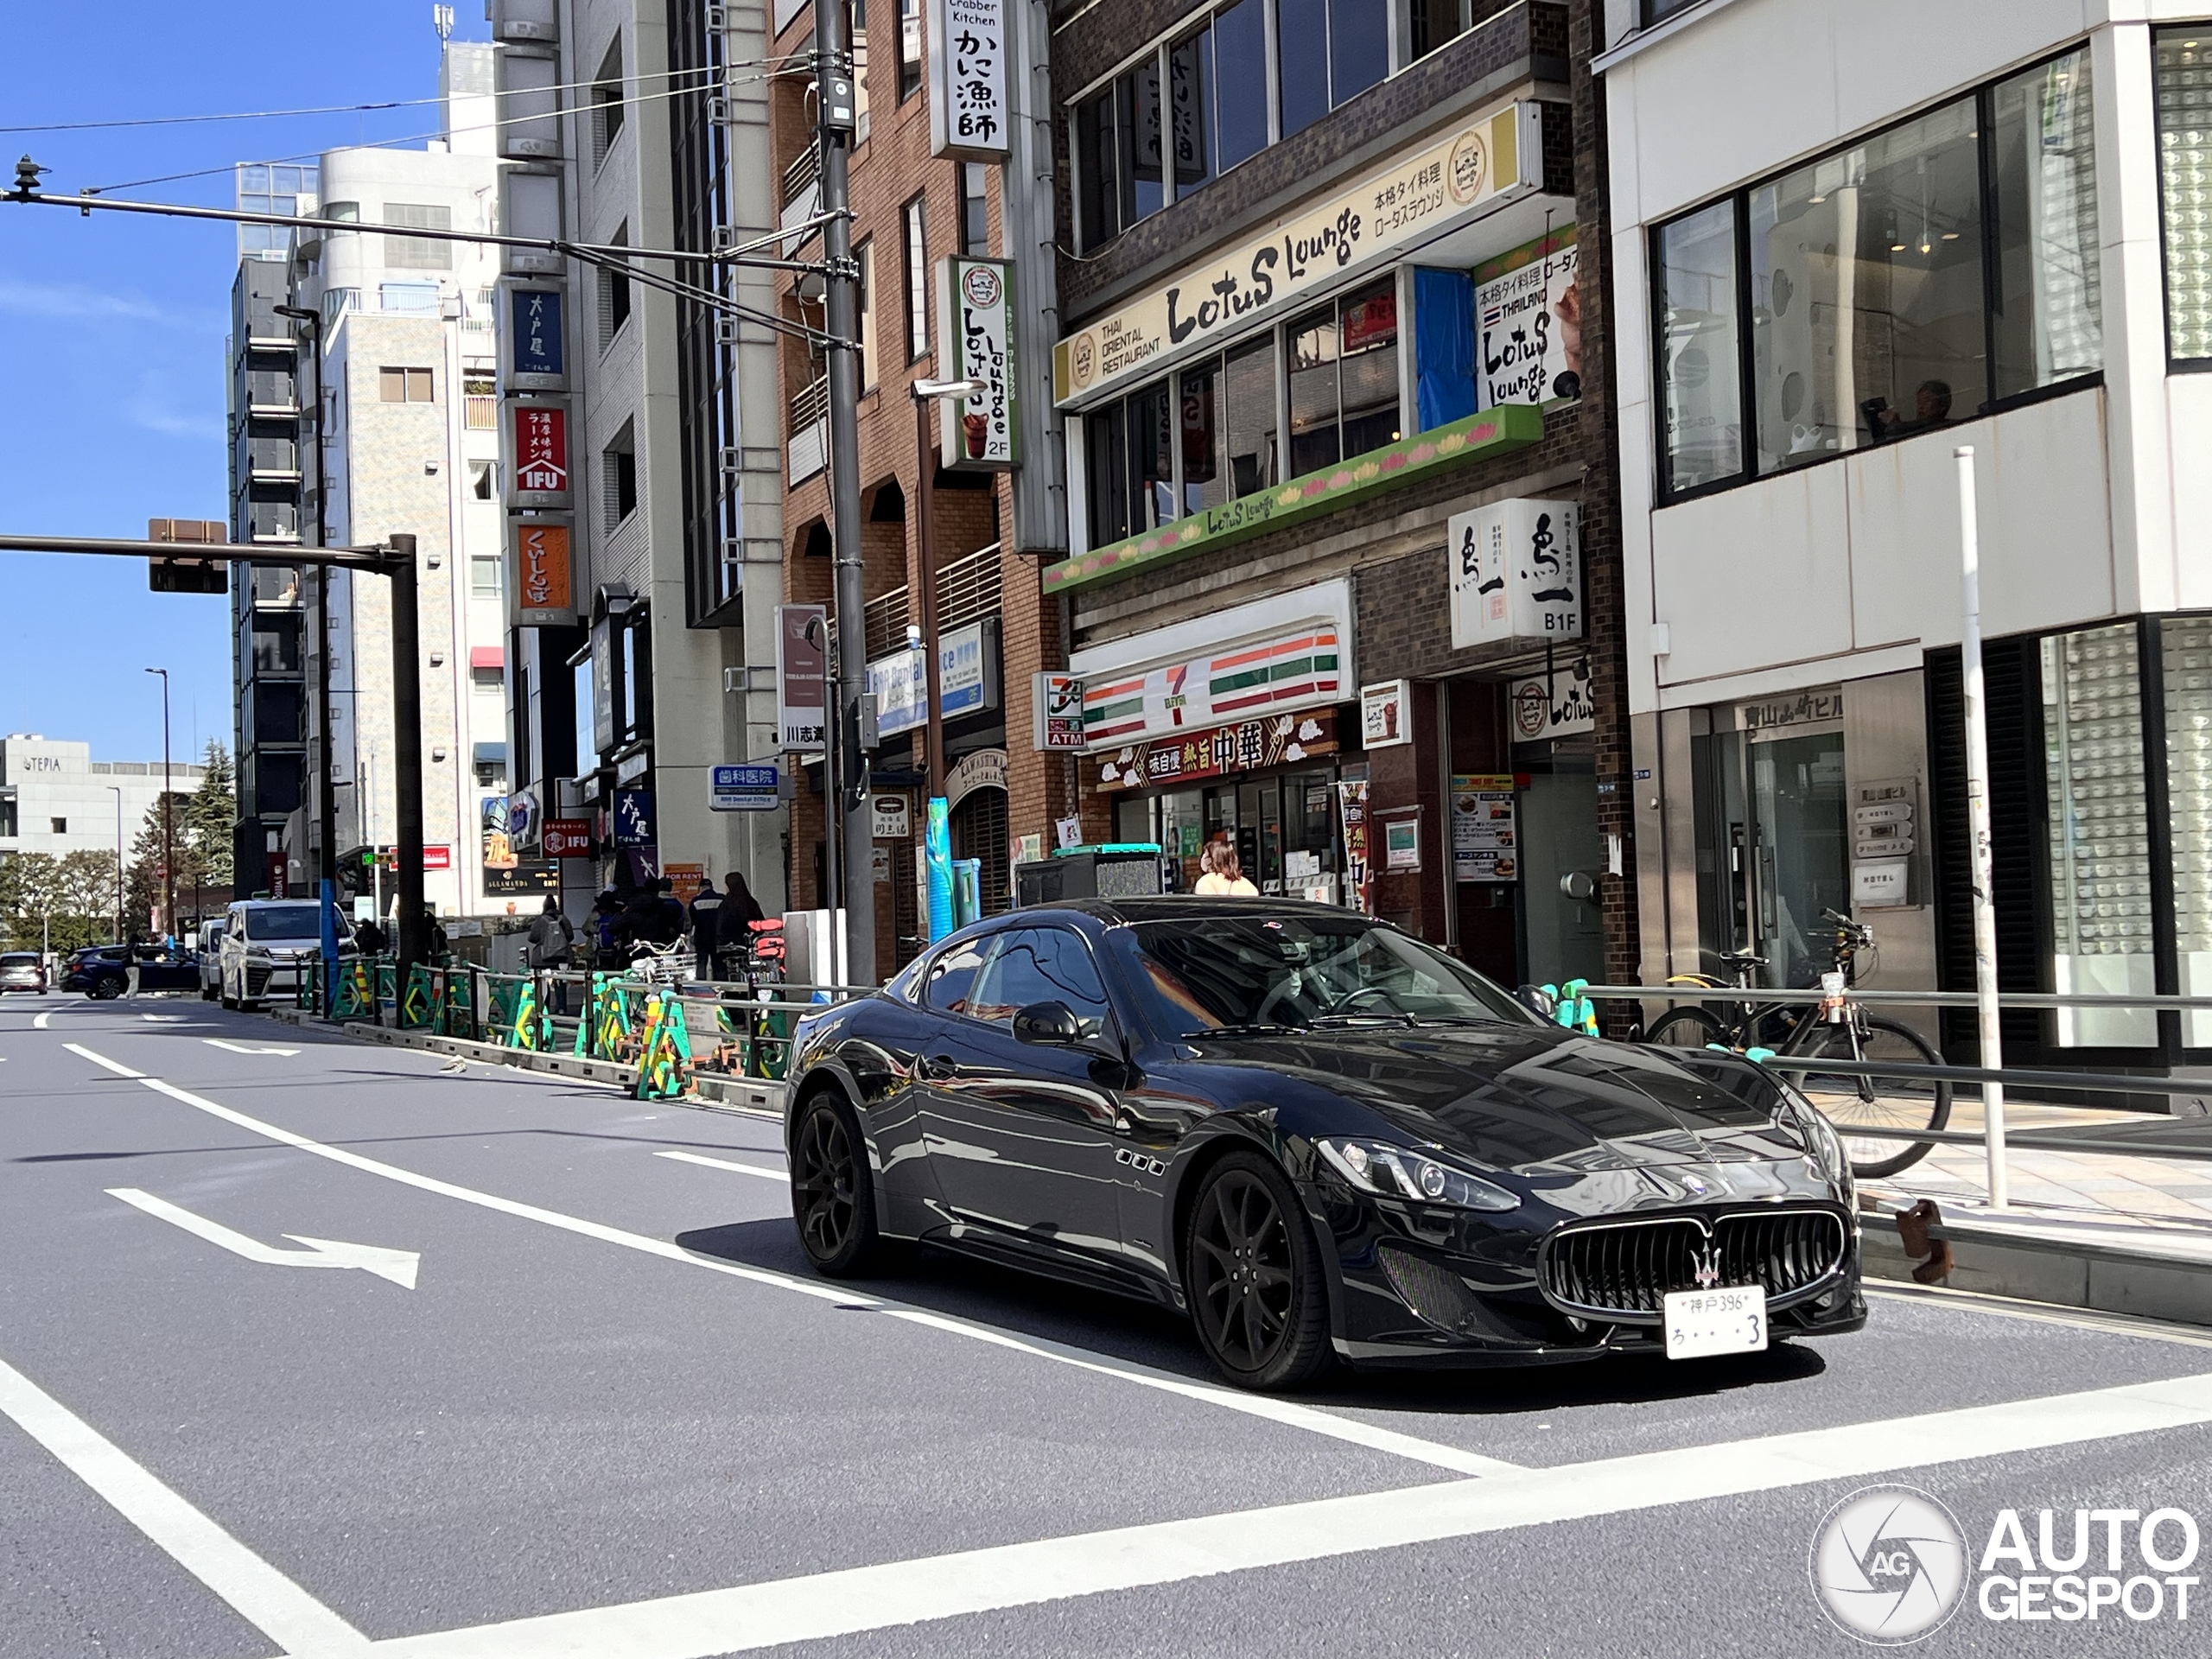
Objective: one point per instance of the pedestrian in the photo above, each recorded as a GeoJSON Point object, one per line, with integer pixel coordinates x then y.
{"type": "Point", "coordinates": [706, 927]}
{"type": "Point", "coordinates": [441, 947]}
{"type": "Point", "coordinates": [551, 939]}
{"type": "Point", "coordinates": [1223, 874]}
{"type": "Point", "coordinates": [739, 912]}
{"type": "Point", "coordinates": [368, 937]}
{"type": "Point", "coordinates": [607, 919]}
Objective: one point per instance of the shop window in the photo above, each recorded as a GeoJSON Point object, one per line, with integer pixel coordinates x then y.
{"type": "Point", "coordinates": [1917, 278]}
{"type": "Point", "coordinates": [1344, 378]}
{"type": "Point", "coordinates": [1129, 464]}
{"type": "Point", "coordinates": [2182, 86]}
{"type": "Point", "coordinates": [1444, 346]}
{"type": "Point", "coordinates": [2101, 879]}
{"type": "Point", "coordinates": [1200, 433]}
{"type": "Point", "coordinates": [1436, 23]}
{"type": "Point", "coordinates": [1250, 428]}
{"type": "Point", "coordinates": [1105, 463]}
{"type": "Point", "coordinates": [1118, 154]}
{"type": "Point", "coordinates": [2186, 652]}
{"type": "Point", "coordinates": [2049, 324]}
{"type": "Point", "coordinates": [1700, 396]}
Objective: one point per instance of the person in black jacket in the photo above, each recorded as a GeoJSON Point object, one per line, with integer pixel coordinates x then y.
{"type": "Point", "coordinates": [706, 923]}
{"type": "Point", "coordinates": [740, 910]}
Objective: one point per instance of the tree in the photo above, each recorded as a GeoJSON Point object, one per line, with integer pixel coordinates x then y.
{"type": "Point", "coordinates": [65, 902]}
{"type": "Point", "coordinates": [143, 875]}
{"type": "Point", "coordinates": [212, 815]}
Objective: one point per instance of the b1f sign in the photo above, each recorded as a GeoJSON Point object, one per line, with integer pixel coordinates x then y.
{"type": "Point", "coordinates": [975, 308]}
{"type": "Point", "coordinates": [802, 677]}
{"type": "Point", "coordinates": [969, 79]}
{"type": "Point", "coordinates": [1516, 569]}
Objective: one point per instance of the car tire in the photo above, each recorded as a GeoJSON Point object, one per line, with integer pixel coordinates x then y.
{"type": "Point", "coordinates": [106, 990]}
{"type": "Point", "coordinates": [833, 1192]}
{"type": "Point", "coordinates": [1253, 1276]}
{"type": "Point", "coordinates": [230, 1002]}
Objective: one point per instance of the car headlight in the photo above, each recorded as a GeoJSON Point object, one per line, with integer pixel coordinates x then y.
{"type": "Point", "coordinates": [1393, 1172]}
{"type": "Point", "coordinates": [1822, 1143]}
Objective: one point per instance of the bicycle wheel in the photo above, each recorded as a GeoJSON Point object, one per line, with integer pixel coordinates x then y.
{"type": "Point", "coordinates": [1686, 1028]}
{"type": "Point", "coordinates": [1849, 1101]}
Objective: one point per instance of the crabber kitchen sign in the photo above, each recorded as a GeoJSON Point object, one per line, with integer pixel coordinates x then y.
{"type": "Point", "coordinates": [1406, 201]}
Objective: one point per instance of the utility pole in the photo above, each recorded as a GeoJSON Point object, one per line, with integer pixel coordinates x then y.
{"type": "Point", "coordinates": [835, 119]}
{"type": "Point", "coordinates": [407, 771]}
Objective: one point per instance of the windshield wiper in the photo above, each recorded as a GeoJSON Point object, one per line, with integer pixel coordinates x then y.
{"type": "Point", "coordinates": [1342, 1021]}
{"type": "Point", "coordinates": [1254, 1029]}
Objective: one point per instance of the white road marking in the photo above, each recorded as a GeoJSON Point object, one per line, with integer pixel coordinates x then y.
{"type": "Point", "coordinates": [245, 1048]}
{"type": "Point", "coordinates": [267, 1600]}
{"type": "Point", "coordinates": [724, 1163]}
{"type": "Point", "coordinates": [39, 1023]}
{"type": "Point", "coordinates": [84, 1053]}
{"type": "Point", "coordinates": [894, 1593]}
{"type": "Point", "coordinates": [398, 1265]}
{"type": "Point", "coordinates": [1283, 1412]}
{"type": "Point", "coordinates": [2110, 1324]}
{"type": "Point", "coordinates": [164, 1019]}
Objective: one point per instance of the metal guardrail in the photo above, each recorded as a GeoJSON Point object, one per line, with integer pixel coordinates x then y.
{"type": "Point", "coordinates": [1899, 999]}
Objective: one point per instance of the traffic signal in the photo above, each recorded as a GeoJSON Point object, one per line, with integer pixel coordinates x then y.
{"type": "Point", "coordinates": [187, 576]}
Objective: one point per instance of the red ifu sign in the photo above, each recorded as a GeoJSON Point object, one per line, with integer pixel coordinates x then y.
{"type": "Point", "coordinates": [567, 838]}
{"type": "Point", "coordinates": [541, 449]}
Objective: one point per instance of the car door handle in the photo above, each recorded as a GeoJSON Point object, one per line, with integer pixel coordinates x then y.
{"type": "Point", "coordinates": [935, 1068]}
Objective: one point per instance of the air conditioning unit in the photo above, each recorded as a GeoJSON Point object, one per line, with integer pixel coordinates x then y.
{"type": "Point", "coordinates": [534, 20]}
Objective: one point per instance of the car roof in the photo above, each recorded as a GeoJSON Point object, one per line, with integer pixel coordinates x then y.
{"type": "Point", "coordinates": [273, 904]}
{"type": "Point", "coordinates": [1195, 907]}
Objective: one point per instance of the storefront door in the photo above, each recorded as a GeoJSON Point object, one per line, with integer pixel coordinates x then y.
{"type": "Point", "coordinates": [1773, 848]}
{"type": "Point", "coordinates": [1561, 863]}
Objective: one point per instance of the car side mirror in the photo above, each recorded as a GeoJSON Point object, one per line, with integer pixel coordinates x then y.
{"type": "Point", "coordinates": [1052, 1025]}
{"type": "Point", "coordinates": [1538, 1000]}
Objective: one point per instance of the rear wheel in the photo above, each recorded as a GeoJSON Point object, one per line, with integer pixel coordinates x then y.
{"type": "Point", "coordinates": [1901, 1104]}
{"type": "Point", "coordinates": [106, 990]}
{"type": "Point", "coordinates": [833, 1194]}
{"type": "Point", "coordinates": [1253, 1276]}
{"type": "Point", "coordinates": [1689, 1028]}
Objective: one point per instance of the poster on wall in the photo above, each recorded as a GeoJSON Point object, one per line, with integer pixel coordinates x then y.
{"type": "Point", "coordinates": [1359, 885]}
{"type": "Point", "coordinates": [1385, 719]}
{"type": "Point", "coordinates": [1485, 842]}
{"type": "Point", "coordinates": [498, 848]}
{"type": "Point", "coordinates": [1528, 324]}
{"type": "Point", "coordinates": [1401, 843]}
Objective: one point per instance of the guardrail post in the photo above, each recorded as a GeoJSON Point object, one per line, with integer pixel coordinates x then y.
{"type": "Point", "coordinates": [1985, 912]}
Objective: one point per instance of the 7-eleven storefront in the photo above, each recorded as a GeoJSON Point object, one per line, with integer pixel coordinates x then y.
{"type": "Point", "coordinates": [1234, 728]}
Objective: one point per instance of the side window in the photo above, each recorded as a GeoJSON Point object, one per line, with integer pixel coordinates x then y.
{"type": "Point", "coordinates": [1041, 964]}
{"type": "Point", "coordinates": [952, 976]}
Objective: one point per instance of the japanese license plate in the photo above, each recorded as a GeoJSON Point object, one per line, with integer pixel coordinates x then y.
{"type": "Point", "coordinates": [1703, 1322]}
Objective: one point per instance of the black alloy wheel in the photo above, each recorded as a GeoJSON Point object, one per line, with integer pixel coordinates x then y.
{"type": "Point", "coordinates": [107, 989]}
{"type": "Point", "coordinates": [1253, 1276]}
{"type": "Point", "coordinates": [833, 1197]}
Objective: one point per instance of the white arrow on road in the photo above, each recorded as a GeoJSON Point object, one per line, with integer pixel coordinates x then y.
{"type": "Point", "coordinates": [398, 1265]}
{"type": "Point", "coordinates": [245, 1048]}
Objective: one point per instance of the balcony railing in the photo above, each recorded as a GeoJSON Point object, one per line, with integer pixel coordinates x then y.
{"type": "Point", "coordinates": [482, 413]}
{"type": "Point", "coordinates": [801, 197]}
{"type": "Point", "coordinates": [886, 617]}
{"type": "Point", "coordinates": [967, 589]}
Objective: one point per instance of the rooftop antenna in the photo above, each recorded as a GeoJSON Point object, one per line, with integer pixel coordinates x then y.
{"type": "Point", "coordinates": [441, 19]}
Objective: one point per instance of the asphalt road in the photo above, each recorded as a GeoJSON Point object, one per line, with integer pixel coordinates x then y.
{"type": "Point", "coordinates": [610, 1411]}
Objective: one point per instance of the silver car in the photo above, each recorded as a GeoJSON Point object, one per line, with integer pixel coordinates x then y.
{"type": "Point", "coordinates": [23, 970]}
{"type": "Point", "coordinates": [266, 943]}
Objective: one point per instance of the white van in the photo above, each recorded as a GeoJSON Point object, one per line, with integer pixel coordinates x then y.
{"type": "Point", "coordinates": [210, 957]}
{"type": "Point", "coordinates": [265, 941]}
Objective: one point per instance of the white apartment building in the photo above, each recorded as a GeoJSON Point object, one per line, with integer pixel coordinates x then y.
{"type": "Point", "coordinates": [56, 799]}
{"type": "Point", "coordinates": [1851, 237]}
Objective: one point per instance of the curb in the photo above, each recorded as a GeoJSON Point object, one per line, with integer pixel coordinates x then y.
{"type": "Point", "coordinates": [2046, 1265]}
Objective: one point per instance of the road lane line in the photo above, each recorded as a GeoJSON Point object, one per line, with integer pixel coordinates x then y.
{"type": "Point", "coordinates": [2108, 1325]}
{"type": "Point", "coordinates": [723, 1163]}
{"type": "Point", "coordinates": [264, 1598]}
{"type": "Point", "coordinates": [856, 1599]}
{"type": "Point", "coordinates": [41, 1022]}
{"type": "Point", "coordinates": [242, 1048]}
{"type": "Point", "coordinates": [120, 1070]}
{"type": "Point", "coordinates": [1284, 1412]}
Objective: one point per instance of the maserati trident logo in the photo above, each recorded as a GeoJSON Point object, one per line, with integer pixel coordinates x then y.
{"type": "Point", "coordinates": [1696, 1185]}
{"type": "Point", "coordinates": [1708, 1268]}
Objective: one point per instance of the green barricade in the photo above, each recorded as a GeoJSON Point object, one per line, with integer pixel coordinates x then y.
{"type": "Point", "coordinates": [306, 999]}
{"type": "Point", "coordinates": [530, 1016]}
{"type": "Point", "coordinates": [457, 1011]}
{"type": "Point", "coordinates": [387, 983]}
{"type": "Point", "coordinates": [504, 995]}
{"type": "Point", "coordinates": [614, 1016]}
{"type": "Point", "coordinates": [418, 1005]}
{"type": "Point", "coordinates": [664, 1057]}
{"type": "Point", "coordinates": [351, 1000]}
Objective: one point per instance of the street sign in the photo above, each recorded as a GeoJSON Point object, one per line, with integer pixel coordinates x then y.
{"type": "Point", "coordinates": [743, 788]}
{"type": "Point", "coordinates": [802, 677]}
{"type": "Point", "coordinates": [566, 838]}
{"type": "Point", "coordinates": [889, 818]}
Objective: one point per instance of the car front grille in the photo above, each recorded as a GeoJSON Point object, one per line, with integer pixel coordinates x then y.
{"type": "Point", "coordinates": [256, 979]}
{"type": "Point", "coordinates": [1625, 1270]}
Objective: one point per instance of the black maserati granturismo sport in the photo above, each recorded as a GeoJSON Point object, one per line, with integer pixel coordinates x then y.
{"type": "Point", "coordinates": [1316, 1136]}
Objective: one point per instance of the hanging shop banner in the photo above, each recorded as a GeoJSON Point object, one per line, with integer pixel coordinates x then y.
{"type": "Point", "coordinates": [1517, 573]}
{"type": "Point", "coordinates": [536, 361]}
{"type": "Point", "coordinates": [529, 878]}
{"type": "Point", "coordinates": [1406, 201]}
{"type": "Point", "coordinates": [974, 312]}
{"type": "Point", "coordinates": [1557, 704]}
{"type": "Point", "coordinates": [1298, 667]}
{"type": "Point", "coordinates": [888, 815]}
{"type": "Point", "coordinates": [1248, 746]}
{"type": "Point", "coordinates": [497, 847]}
{"type": "Point", "coordinates": [802, 677]}
{"type": "Point", "coordinates": [900, 684]}
{"type": "Point", "coordinates": [1386, 714]}
{"type": "Point", "coordinates": [968, 79]}
{"type": "Point", "coordinates": [1056, 713]}
{"type": "Point", "coordinates": [525, 820]}
{"type": "Point", "coordinates": [538, 455]}
{"type": "Point", "coordinates": [1528, 324]}
{"type": "Point", "coordinates": [753, 788]}
{"type": "Point", "coordinates": [544, 584]}
{"type": "Point", "coordinates": [1484, 831]}
{"type": "Point", "coordinates": [634, 818]}
{"type": "Point", "coordinates": [565, 838]}
{"type": "Point", "coordinates": [1359, 872]}
{"type": "Point", "coordinates": [968, 668]}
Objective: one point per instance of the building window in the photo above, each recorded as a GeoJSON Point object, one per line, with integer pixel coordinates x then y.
{"type": "Point", "coordinates": [480, 400]}
{"type": "Point", "coordinates": [1117, 154]}
{"type": "Point", "coordinates": [405, 386]}
{"type": "Point", "coordinates": [1658, 11]}
{"type": "Point", "coordinates": [418, 252]}
{"type": "Point", "coordinates": [915, 218]}
{"type": "Point", "coordinates": [864, 257]}
{"type": "Point", "coordinates": [485, 582]}
{"type": "Point", "coordinates": [483, 480]}
{"type": "Point", "coordinates": [1326, 53]}
{"type": "Point", "coordinates": [619, 478]}
{"type": "Point", "coordinates": [614, 295]}
{"type": "Point", "coordinates": [606, 105]}
{"type": "Point", "coordinates": [1918, 278]}
{"type": "Point", "coordinates": [974, 217]}
{"type": "Point", "coordinates": [1344, 378]}
{"type": "Point", "coordinates": [408, 299]}
{"type": "Point", "coordinates": [2181, 87]}
{"type": "Point", "coordinates": [910, 48]}
{"type": "Point", "coordinates": [8, 821]}
{"type": "Point", "coordinates": [1436, 23]}
{"type": "Point", "coordinates": [61, 825]}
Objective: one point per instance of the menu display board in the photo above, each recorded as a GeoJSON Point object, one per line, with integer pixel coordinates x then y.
{"type": "Point", "coordinates": [1485, 833]}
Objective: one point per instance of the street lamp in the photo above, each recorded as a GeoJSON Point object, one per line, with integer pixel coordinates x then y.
{"type": "Point", "coordinates": [168, 830]}
{"type": "Point", "coordinates": [118, 789]}
{"type": "Point", "coordinates": [926, 393]}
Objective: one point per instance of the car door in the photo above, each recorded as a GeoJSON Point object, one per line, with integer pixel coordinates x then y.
{"type": "Point", "coordinates": [1028, 1130]}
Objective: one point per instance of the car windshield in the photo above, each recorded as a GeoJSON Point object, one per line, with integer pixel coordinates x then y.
{"type": "Point", "coordinates": [19, 959]}
{"type": "Point", "coordinates": [1294, 971]}
{"type": "Point", "coordinates": [285, 922]}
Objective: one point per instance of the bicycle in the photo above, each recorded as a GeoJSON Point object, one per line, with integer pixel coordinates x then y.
{"type": "Point", "coordinates": [1835, 1028]}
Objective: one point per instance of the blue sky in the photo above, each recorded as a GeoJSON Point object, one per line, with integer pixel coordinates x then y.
{"type": "Point", "coordinates": [112, 326]}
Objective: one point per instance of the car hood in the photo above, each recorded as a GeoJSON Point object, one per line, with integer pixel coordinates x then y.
{"type": "Point", "coordinates": [1539, 1101]}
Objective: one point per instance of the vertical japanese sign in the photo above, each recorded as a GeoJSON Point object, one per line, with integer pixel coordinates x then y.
{"type": "Point", "coordinates": [545, 579]}
{"type": "Point", "coordinates": [975, 308]}
{"type": "Point", "coordinates": [539, 446]}
{"type": "Point", "coordinates": [968, 79]}
{"type": "Point", "coordinates": [1528, 324]}
{"type": "Point", "coordinates": [1359, 873]}
{"type": "Point", "coordinates": [1516, 569]}
{"type": "Point", "coordinates": [535, 358]}
{"type": "Point", "coordinates": [802, 677]}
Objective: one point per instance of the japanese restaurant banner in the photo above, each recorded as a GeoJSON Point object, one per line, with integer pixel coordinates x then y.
{"type": "Point", "coordinates": [1359, 871]}
{"type": "Point", "coordinates": [544, 584]}
{"type": "Point", "coordinates": [974, 311]}
{"type": "Point", "coordinates": [1282, 740]}
{"type": "Point", "coordinates": [538, 453]}
{"type": "Point", "coordinates": [968, 79]}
